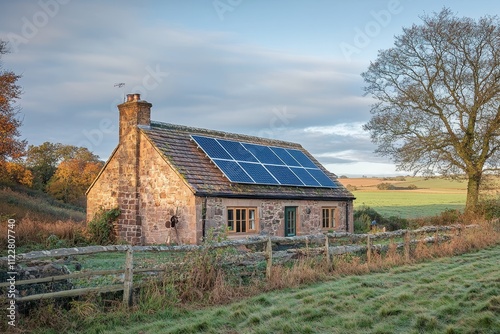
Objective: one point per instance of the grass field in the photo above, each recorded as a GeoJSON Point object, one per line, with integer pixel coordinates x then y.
{"type": "Point", "coordinates": [458, 294]}
{"type": "Point", "coordinates": [431, 196]}
{"type": "Point", "coordinates": [409, 204]}
{"type": "Point", "coordinates": [20, 202]}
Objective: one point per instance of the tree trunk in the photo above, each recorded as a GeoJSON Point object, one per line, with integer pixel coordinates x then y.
{"type": "Point", "coordinates": [473, 192]}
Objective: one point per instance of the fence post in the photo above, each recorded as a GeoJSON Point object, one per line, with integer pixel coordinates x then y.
{"type": "Point", "coordinates": [368, 250]}
{"type": "Point", "coordinates": [269, 257]}
{"type": "Point", "coordinates": [327, 250]}
{"type": "Point", "coordinates": [307, 246]}
{"type": "Point", "coordinates": [129, 277]}
{"type": "Point", "coordinates": [407, 246]}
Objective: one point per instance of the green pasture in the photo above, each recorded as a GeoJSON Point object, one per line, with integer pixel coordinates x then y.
{"type": "Point", "coordinates": [409, 204]}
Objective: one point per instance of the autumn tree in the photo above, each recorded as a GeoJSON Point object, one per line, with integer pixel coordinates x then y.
{"type": "Point", "coordinates": [74, 174]}
{"type": "Point", "coordinates": [437, 93]}
{"type": "Point", "coordinates": [11, 147]}
{"type": "Point", "coordinates": [15, 173]}
{"type": "Point", "coordinates": [42, 161]}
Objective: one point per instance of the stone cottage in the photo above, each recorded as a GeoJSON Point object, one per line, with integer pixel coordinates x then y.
{"type": "Point", "coordinates": [203, 179]}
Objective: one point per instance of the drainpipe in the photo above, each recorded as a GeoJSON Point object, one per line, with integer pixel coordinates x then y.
{"type": "Point", "coordinates": [203, 217]}
{"type": "Point", "coordinates": [347, 216]}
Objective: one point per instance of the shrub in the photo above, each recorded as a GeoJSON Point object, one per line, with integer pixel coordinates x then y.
{"type": "Point", "coordinates": [365, 215]}
{"type": "Point", "coordinates": [395, 178]}
{"type": "Point", "coordinates": [412, 187]}
{"type": "Point", "coordinates": [490, 208]}
{"type": "Point", "coordinates": [363, 218]}
{"type": "Point", "coordinates": [394, 223]}
{"type": "Point", "coordinates": [350, 187]}
{"type": "Point", "coordinates": [447, 217]}
{"type": "Point", "coordinates": [53, 242]}
{"type": "Point", "coordinates": [360, 226]}
{"type": "Point", "coordinates": [386, 186]}
{"type": "Point", "coordinates": [100, 228]}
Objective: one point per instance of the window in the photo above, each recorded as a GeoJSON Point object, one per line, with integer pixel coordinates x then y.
{"type": "Point", "coordinates": [241, 220]}
{"type": "Point", "coordinates": [328, 220]}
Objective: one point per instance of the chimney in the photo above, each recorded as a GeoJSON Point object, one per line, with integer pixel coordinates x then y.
{"type": "Point", "coordinates": [133, 112]}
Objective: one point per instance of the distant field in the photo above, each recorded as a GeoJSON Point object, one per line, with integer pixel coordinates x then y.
{"type": "Point", "coordinates": [431, 197]}
{"type": "Point", "coordinates": [409, 204]}
{"type": "Point", "coordinates": [423, 184]}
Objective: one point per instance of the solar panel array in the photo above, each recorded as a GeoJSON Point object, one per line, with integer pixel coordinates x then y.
{"type": "Point", "coordinates": [259, 164]}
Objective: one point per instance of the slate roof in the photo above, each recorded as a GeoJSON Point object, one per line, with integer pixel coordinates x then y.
{"type": "Point", "coordinates": [205, 178]}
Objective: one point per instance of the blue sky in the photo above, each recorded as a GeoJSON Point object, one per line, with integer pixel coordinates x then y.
{"type": "Point", "coordinates": [288, 70]}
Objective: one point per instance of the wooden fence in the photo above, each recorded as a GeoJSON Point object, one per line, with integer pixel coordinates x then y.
{"type": "Point", "coordinates": [325, 246]}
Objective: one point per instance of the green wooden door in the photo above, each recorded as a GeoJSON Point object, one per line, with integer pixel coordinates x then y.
{"type": "Point", "coordinates": [290, 221]}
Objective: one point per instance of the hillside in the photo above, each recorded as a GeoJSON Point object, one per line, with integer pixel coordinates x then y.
{"type": "Point", "coordinates": [19, 202]}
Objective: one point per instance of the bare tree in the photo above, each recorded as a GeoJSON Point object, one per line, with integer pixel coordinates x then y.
{"type": "Point", "coordinates": [437, 97]}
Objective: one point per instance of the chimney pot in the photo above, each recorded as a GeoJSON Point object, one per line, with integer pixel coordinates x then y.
{"type": "Point", "coordinates": [137, 97]}
{"type": "Point", "coordinates": [130, 97]}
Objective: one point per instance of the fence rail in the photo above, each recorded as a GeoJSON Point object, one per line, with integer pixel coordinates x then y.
{"type": "Point", "coordinates": [325, 243]}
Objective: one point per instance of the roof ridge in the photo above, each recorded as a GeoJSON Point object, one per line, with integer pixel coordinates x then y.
{"type": "Point", "coordinates": [223, 134]}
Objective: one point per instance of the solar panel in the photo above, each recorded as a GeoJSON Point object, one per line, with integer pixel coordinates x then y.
{"type": "Point", "coordinates": [264, 154]}
{"type": "Point", "coordinates": [285, 156]}
{"type": "Point", "coordinates": [233, 171]}
{"type": "Point", "coordinates": [237, 151]}
{"type": "Point", "coordinates": [259, 164]}
{"type": "Point", "coordinates": [305, 176]}
{"type": "Point", "coordinates": [322, 178]}
{"type": "Point", "coordinates": [302, 158]}
{"type": "Point", "coordinates": [284, 175]}
{"type": "Point", "coordinates": [259, 173]}
{"type": "Point", "coordinates": [212, 148]}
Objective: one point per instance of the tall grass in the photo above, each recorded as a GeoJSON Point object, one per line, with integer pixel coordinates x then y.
{"type": "Point", "coordinates": [33, 234]}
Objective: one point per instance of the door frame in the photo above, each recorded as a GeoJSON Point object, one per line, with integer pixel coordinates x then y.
{"type": "Point", "coordinates": [293, 211]}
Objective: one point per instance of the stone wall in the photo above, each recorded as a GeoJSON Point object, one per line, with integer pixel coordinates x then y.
{"type": "Point", "coordinates": [215, 214]}
{"type": "Point", "coordinates": [116, 187]}
{"type": "Point", "coordinates": [104, 191]}
{"type": "Point", "coordinates": [163, 193]}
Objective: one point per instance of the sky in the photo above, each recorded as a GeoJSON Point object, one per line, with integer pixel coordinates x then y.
{"type": "Point", "coordinates": [288, 70]}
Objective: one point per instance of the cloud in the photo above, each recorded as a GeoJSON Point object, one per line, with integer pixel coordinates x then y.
{"type": "Point", "coordinates": [209, 79]}
{"type": "Point", "coordinates": [354, 129]}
